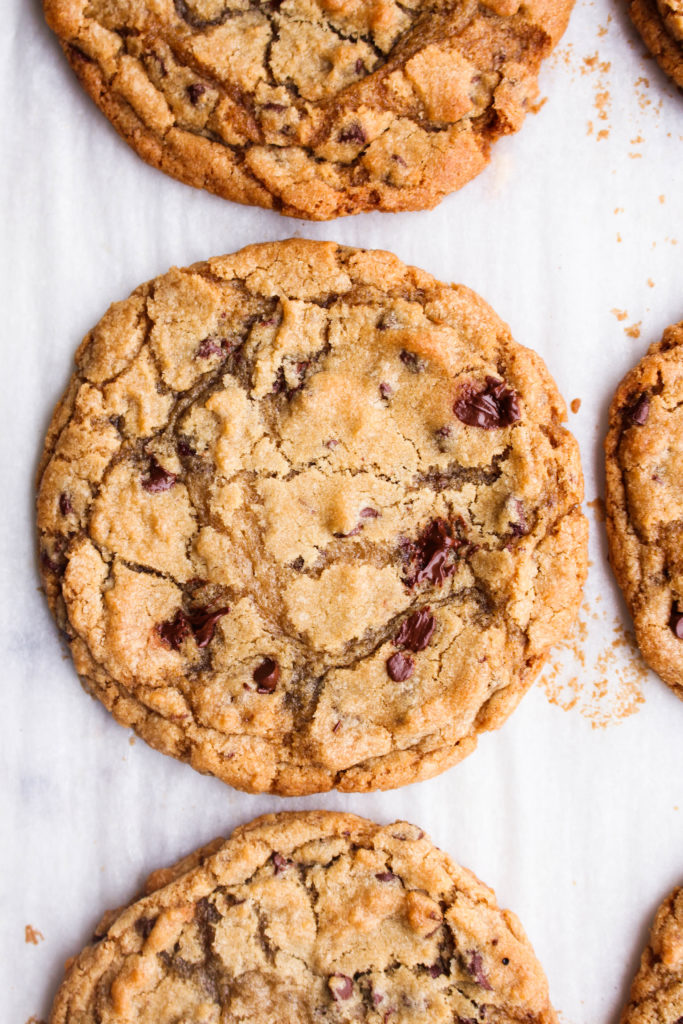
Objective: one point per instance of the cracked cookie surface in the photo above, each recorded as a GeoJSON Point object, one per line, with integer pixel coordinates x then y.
{"type": "Point", "coordinates": [660, 23]}
{"type": "Point", "coordinates": [309, 518]}
{"type": "Point", "coordinates": [644, 502]}
{"type": "Point", "coordinates": [657, 992]}
{"type": "Point", "coordinates": [307, 917]}
{"type": "Point", "coordinates": [316, 108]}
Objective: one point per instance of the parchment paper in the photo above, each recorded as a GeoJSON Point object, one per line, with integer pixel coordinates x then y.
{"type": "Point", "coordinates": [571, 815]}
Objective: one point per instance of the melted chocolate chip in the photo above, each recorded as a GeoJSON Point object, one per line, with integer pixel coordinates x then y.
{"type": "Point", "coordinates": [676, 622]}
{"type": "Point", "coordinates": [267, 675]}
{"type": "Point", "coordinates": [640, 410]}
{"type": "Point", "coordinates": [494, 405]}
{"type": "Point", "coordinates": [65, 506]}
{"type": "Point", "coordinates": [519, 528]}
{"type": "Point", "coordinates": [400, 667]}
{"type": "Point", "coordinates": [385, 876]}
{"type": "Point", "coordinates": [430, 553]}
{"type": "Point", "coordinates": [360, 66]}
{"type": "Point", "coordinates": [436, 970]}
{"type": "Point", "coordinates": [158, 479]}
{"type": "Point", "coordinates": [386, 390]}
{"type": "Point", "coordinates": [195, 92]}
{"type": "Point", "coordinates": [352, 133]}
{"type": "Point", "coordinates": [202, 624]}
{"type": "Point", "coordinates": [387, 321]}
{"type": "Point", "coordinates": [174, 631]}
{"type": "Point", "coordinates": [475, 966]}
{"type": "Point", "coordinates": [340, 986]}
{"type": "Point", "coordinates": [368, 513]}
{"type": "Point", "coordinates": [416, 631]}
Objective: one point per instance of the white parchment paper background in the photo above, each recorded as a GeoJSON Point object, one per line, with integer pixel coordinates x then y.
{"type": "Point", "coordinates": [577, 827]}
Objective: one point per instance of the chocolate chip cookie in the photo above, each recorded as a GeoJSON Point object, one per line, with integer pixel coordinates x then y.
{"type": "Point", "coordinates": [657, 991]}
{"type": "Point", "coordinates": [660, 23]}
{"type": "Point", "coordinates": [309, 518]}
{"type": "Point", "coordinates": [301, 918]}
{"type": "Point", "coordinates": [315, 108]}
{"type": "Point", "coordinates": [644, 502]}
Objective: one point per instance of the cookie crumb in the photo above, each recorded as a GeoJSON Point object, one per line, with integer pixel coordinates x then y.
{"type": "Point", "coordinates": [575, 404]}
{"type": "Point", "coordinates": [620, 314]}
{"type": "Point", "coordinates": [634, 330]}
{"type": "Point", "coordinates": [598, 506]}
{"type": "Point", "coordinates": [32, 935]}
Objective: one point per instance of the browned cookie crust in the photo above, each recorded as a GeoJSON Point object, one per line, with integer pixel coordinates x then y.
{"type": "Point", "coordinates": [657, 990]}
{"type": "Point", "coordinates": [660, 23]}
{"type": "Point", "coordinates": [309, 518]}
{"type": "Point", "coordinates": [308, 918]}
{"type": "Point", "coordinates": [316, 108]}
{"type": "Point", "coordinates": [644, 499]}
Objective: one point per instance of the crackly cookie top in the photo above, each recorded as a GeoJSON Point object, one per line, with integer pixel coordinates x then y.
{"type": "Point", "coordinates": [317, 108]}
{"type": "Point", "coordinates": [657, 991]}
{"type": "Point", "coordinates": [660, 23]}
{"type": "Point", "coordinates": [309, 518]}
{"type": "Point", "coordinates": [644, 498]}
{"type": "Point", "coordinates": [307, 918]}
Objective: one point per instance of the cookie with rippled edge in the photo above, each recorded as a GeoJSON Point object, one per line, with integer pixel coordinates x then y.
{"type": "Point", "coordinates": [657, 992]}
{"type": "Point", "coordinates": [644, 502]}
{"type": "Point", "coordinates": [309, 518]}
{"type": "Point", "coordinates": [660, 23]}
{"type": "Point", "coordinates": [305, 917]}
{"type": "Point", "coordinates": [315, 108]}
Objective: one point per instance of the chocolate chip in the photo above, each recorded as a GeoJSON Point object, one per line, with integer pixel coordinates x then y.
{"type": "Point", "coordinates": [505, 960]}
{"type": "Point", "coordinates": [336, 727]}
{"type": "Point", "coordinates": [340, 986]}
{"type": "Point", "coordinates": [174, 631]}
{"type": "Point", "coordinates": [279, 108]}
{"type": "Point", "coordinates": [158, 479]}
{"type": "Point", "coordinates": [360, 66]}
{"type": "Point", "coordinates": [411, 360]}
{"type": "Point", "coordinates": [195, 92]}
{"type": "Point", "coordinates": [519, 528]}
{"type": "Point", "coordinates": [203, 625]}
{"type": "Point", "coordinates": [385, 876]}
{"type": "Point", "coordinates": [352, 133]}
{"type": "Point", "coordinates": [280, 863]}
{"type": "Point", "coordinates": [399, 159]}
{"type": "Point", "coordinates": [267, 675]}
{"type": "Point", "coordinates": [640, 410]}
{"type": "Point", "coordinates": [298, 563]}
{"type": "Point", "coordinates": [416, 631]}
{"type": "Point", "coordinates": [212, 347]}
{"type": "Point", "coordinates": [386, 390]}
{"type": "Point", "coordinates": [388, 321]}
{"type": "Point", "coordinates": [65, 506]}
{"type": "Point", "coordinates": [185, 449]}
{"type": "Point", "coordinates": [144, 925]}
{"type": "Point", "coordinates": [475, 966]}
{"type": "Point", "coordinates": [443, 431]}
{"type": "Point", "coordinates": [430, 553]}
{"type": "Point", "coordinates": [676, 622]}
{"type": "Point", "coordinates": [368, 513]}
{"type": "Point", "coordinates": [494, 405]}
{"type": "Point", "coordinates": [400, 667]}
{"type": "Point", "coordinates": [332, 443]}
{"type": "Point", "coordinates": [436, 970]}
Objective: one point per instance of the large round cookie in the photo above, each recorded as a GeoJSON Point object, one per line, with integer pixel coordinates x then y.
{"type": "Point", "coordinates": [657, 991]}
{"type": "Point", "coordinates": [660, 23]}
{"type": "Point", "coordinates": [309, 518]}
{"type": "Point", "coordinates": [316, 108]}
{"type": "Point", "coordinates": [644, 500]}
{"type": "Point", "coordinates": [308, 918]}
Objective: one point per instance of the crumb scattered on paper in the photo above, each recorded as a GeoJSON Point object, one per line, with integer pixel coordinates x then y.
{"type": "Point", "coordinates": [634, 330]}
{"type": "Point", "coordinates": [575, 404]}
{"type": "Point", "coordinates": [605, 690]}
{"type": "Point", "coordinates": [32, 935]}
{"type": "Point", "coordinates": [620, 314]}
